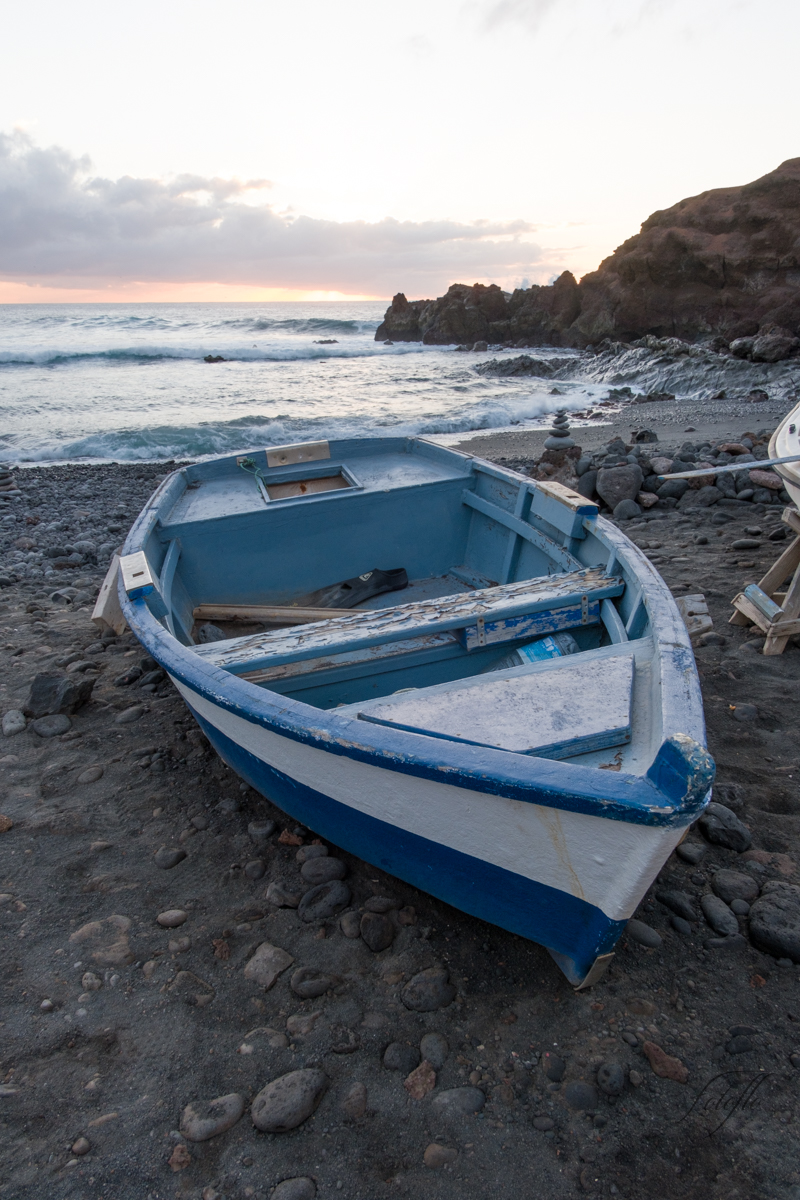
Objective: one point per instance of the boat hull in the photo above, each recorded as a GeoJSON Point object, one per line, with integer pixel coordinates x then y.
{"type": "Point", "coordinates": [567, 880]}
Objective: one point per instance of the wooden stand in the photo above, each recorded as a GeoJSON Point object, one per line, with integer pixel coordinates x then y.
{"type": "Point", "coordinates": [774, 612]}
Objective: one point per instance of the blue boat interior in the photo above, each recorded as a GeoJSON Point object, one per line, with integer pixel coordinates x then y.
{"type": "Point", "coordinates": [496, 565]}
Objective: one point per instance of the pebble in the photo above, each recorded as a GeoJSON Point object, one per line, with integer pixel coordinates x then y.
{"type": "Point", "coordinates": [350, 924]}
{"type": "Point", "coordinates": [722, 827]}
{"type": "Point", "coordinates": [581, 1095]}
{"type": "Point", "coordinates": [434, 1049]}
{"type": "Point", "coordinates": [553, 1066]}
{"type": "Point", "coordinates": [324, 901]}
{"type": "Point", "coordinates": [740, 1044]}
{"type": "Point", "coordinates": [744, 712]}
{"type": "Point", "coordinates": [775, 920]}
{"type": "Point", "coordinates": [543, 1124]}
{"type": "Point", "coordinates": [437, 1156]}
{"type": "Point", "coordinates": [734, 885]}
{"type": "Point", "coordinates": [643, 934]}
{"type": "Point", "coordinates": [680, 925]}
{"type": "Point", "coordinates": [309, 983]}
{"type": "Point", "coordinates": [460, 1101]}
{"type": "Point", "coordinates": [267, 964]}
{"type": "Point", "coordinates": [315, 850]}
{"type": "Point", "coordinates": [255, 869]}
{"type": "Point", "coordinates": [316, 871]}
{"type": "Point", "coordinates": [129, 715]}
{"type": "Point", "coordinates": [91, 982]}
{"type": "Point", "coordinates": [719, 916]}
{"type": "Point", "coordinates": [81, 1146]}
{"type": "Point", "coordinates": [730, 942]}
{"type": "Point", "coordinates": [377, 931]}
{"type": "Point", "coordinates": [663, 1064]}
{"type": "Point", "coordinates": [678, 902]}
{"type": "Point", "coordinates": [90, 775]}
{"type": "Point", "coordinates": [166, 859]}
{"type": "Point", "coordinates": [398, 1056]}
{"type": "Point", "coordinates": [206, 1121]}
{"type": "Point", "coordinates": [172, 918]}
{"type": "Point", "coordinates": [280, 896]}
{"type": "Point", "coordinates": [179, 945]}
{"type": "Point", "coordinates": [429, 990]}
{"type": "Point", "coordinates": [302, 1023]}
{"type": "Point", "coordinates": [5, 823]}
{"type": "Point", "coordinates": [298, 1188]}
{"type": "Point", "coordinates": [611, 1078]}
{"type": "Point", "coordinates": [200, 821]}
{"type": "Point", "coordinates": [47, 1006]}
{"type": "Point", "coordinates": [354, 1102]}
{"type": "Point", "coordinates": [289, 1100]}
{"type": "Point", "coordinates": [636, 1078]}
{"type": "Point", "coordinates": [52, 726]}
{"type": "Point", "coordinates": [13, 722]}
{"type": "Point", "coordinates": [740, 907]}
{"type": "Point", "coordinates": [691, 852]}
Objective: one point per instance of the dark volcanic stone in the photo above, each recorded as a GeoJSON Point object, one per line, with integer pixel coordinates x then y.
{"type": "Point", "coordinates": [619, 483]}
{"type": "Point", "coordinates": [308, 983]}
{"type": "Point", "coordinates": [611, 1078]}
{"type": "Point", "coordinates": [690, 852]}
{"type": "Point", "coordinates": [678, 902]}
{"type": "Point", "coordinates": [719, 916]}
{"type": "Point", "coordinates": [53, 726]}
{"type": "Point", "coordinates": [167, 859]}
{"type": "Point", "coordinates": [400, 1057]}
{"type": "Point", "coordinates": [324, 901]}
{"type": "Point", "coordinates": [553, 1066]}
{"type": "Point", "coordinates": [643, 934]}
{"type": "Point", "coordinates": [322, 870]}
{"type": "Point", "coordinates": [458, 1102]}
{"type": "Point", "coordinates": [57, 694]}
{"type": "Point", "coordinates": [722, 827]}
{"type": "Point", "coordinates": [775, 920]}
{"type": "Point", "coordinates": [429, 990]}
{"type": "Point", "coordinates": [260, 831]}
{"type": "Point", "coordinates": [734, 885]}
{"type": "Point", "coordinates": [377, 931]}
{"type": "Point", "coordinates": [740, 1044]}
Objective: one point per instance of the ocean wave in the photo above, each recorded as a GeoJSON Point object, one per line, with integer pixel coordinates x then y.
{"type": "Point", "coordinates": [58, 357]}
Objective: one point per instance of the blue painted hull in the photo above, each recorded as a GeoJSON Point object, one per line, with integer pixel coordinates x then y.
{"type": "Point", "coordinates": [564, 924]}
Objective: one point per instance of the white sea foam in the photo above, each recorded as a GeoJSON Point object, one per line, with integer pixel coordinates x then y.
{"type": "Point", "coordinates": [128, 382]}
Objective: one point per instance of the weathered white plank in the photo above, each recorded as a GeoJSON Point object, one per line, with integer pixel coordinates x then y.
{"type": "Point", "coordinates": [572, 710]}
{"type": "Point", "coordinates": [357, 630]}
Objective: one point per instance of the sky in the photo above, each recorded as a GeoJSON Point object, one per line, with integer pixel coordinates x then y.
{"type": "Point", "coordinates": [250, 149]}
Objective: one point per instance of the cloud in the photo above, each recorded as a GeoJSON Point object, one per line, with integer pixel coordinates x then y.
{"type": "Point", "coordinates": [62, 226]}
{"type": "Point", "coordinates": [530, 13]}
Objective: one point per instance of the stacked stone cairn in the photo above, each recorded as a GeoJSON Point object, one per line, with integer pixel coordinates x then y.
{"type": "Point", "coordinates": [559, 438]}
{"type": "Point", "coordinates": [7, 481]}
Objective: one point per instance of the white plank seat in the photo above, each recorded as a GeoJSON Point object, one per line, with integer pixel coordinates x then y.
{"type": "Point", "coordinates": [484, 617]}
{"type": "Point", "coordinates": [541, 710]}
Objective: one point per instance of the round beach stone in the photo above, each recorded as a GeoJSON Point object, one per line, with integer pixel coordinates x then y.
{"type": "Point", "coordinates": [51, 726]}
{"type": "Point", "coordinates": [13, 722]}
{"type": "Point", "coordinates": [81, 1146]}
{"type": "Point", "coordinates": [611, 1078]}
{"type": "Point", "coordinates": [129, 715]}
{"type": "Point", "coordinates": [381, 904]}
{"type": "Point", "coordinates": [205, 1121]}
{"type": "Point", "coordinates": [734, 885]}
{"type": "Point", "coordinates": [172, 918]}
{"type": "Point", "coordinates": [553, 1066]}
{"type": "Point", "coordinates": [322, 870]}
{"type": "Point", "coordinates": [719, 916]}
{"type": "Point", "coordinates": [324, 901]}
{"type": "Point", "coordinates": [255, 869]}
{"type": "Point", "coordinates": [299, 1188]}
{"type": "Point", "coordinates": [289, 1100]}
{"type": "Point", "coordinates": [619, 483]}
{"type": "Point", "coordinates": [306, 853]}
{"type": "Point", "coordinates": [90, 775]}
{"type": "Point", "coordinates": [350, 924]}
{"type": "Point", "coordinates": [434, 1049]}
{"type": "Point", "coordinates": [166, 859]}
{"type": "Point", "coordinates": [400, 1057]}
{"type": "Point", "coordinates": [775, 920]}
{"type": "Point", "coordinates": [437, 1156]}
{"type": "Point", "coordinates": [458, 1102]}
{"type": "Point", "coordinates": [722, 827]}
{"type": "Point", "coordinates": [377, 931]}
{"type": "Point", "coordinates": [543, 1124]}
{"type": "Point", "coordinates": [260, 831]}
{"type": "Point", "coordinates": [690, 852]}
{"type": "Point", "coordinates": [309, 983]}
{"type": "Point", "coordinates": [429, 990]}
{"type": "Point", "coordinates": [643, 934]}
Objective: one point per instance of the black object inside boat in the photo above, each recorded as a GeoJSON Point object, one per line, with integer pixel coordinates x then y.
{"type": "Point", "coordinates": [354, 591]}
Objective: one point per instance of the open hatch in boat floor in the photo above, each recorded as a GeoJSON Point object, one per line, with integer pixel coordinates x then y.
{"type": "Point", "coordinates": [573, 710]}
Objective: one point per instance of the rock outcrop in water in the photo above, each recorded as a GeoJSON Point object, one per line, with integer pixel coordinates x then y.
{"type": "Point", "coordinates": [723, 264]}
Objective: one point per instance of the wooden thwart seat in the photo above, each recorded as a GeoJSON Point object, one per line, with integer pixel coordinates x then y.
{"type": "Point", "coordinates": [485, 617]}
{"type": "Point", "coordinates": [777, 614]}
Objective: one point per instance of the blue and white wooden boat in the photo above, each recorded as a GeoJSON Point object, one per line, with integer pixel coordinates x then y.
{"type": "Point", "coordinates": [542, 797]}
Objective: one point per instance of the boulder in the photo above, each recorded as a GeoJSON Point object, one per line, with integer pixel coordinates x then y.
{"type": "Point", "coordinates": [51, 694]}
{"type": "Point", "coordinates": [775, 920]}
{"type": "Point", "coordinates": [619, 483]}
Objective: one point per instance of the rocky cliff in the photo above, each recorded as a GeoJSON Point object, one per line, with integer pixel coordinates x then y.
{"type": "Point", "coordinates": [725, 265]}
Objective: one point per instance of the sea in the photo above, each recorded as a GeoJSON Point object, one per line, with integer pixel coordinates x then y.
{"type": "Point", "coordinates": [128, 382]}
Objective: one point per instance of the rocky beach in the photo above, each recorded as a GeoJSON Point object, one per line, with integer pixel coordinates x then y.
{"type": "Point", "coordinates": [181, 1019]}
